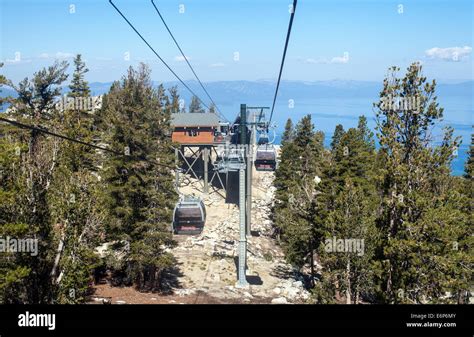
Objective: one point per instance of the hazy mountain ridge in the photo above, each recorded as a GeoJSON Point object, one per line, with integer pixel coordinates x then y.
{"type": "Point", "coordinates": [244, 90]}
{"type": "Point", "coordinates": [325, 95]}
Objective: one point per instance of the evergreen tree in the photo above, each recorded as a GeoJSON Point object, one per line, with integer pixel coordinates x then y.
{"type": "Point", "coordinates": [195, 106]}
{"type": "Point", "coordinates": [174, 98]}
{"type": "Point", "coordinates": [3, 82]}
{"type": "Point", "coordinates": [365, 132]}
{"type": "Point", "coordinates": [76, 211]}
{"type": "Point", "coordinates": [36, 99]}
{"type": "Point", "coordinates": [338, 132]}
{"type": "Point", "coordinates": [15, 268]}
{"type": "Point", "coordinates": [79, 86]}
{"type": "Point", "coordinates": [79, 124]}
{"type": "Point", "coordinates": [345, 212]}
{"type": "Point", "coordinates": [288, 134]}
{"type": "Point", "coordinates": [354, 156]}
{"type": "Point", "coordinates": [139, 193]}
{"type": "Point", "coordinates": [469, 167]}
{"type": "Point", "coordinates": [75, 203]}
{"type": "Point", "coordinates": [420, 220]}
{"type": "Point", "coordinates": [296, 180]}
{"type": "Point", "coordinates": [39, 202]}
{"type": "Point", "coordinates": [30, 215]}
{"type": "Point", "coordinates": [462, 285]}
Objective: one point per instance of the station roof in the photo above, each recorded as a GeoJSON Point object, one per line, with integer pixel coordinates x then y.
{"type": "Point", "coordinates": [194, 119]}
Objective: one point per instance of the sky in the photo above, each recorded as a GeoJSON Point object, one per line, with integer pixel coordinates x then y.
{"type": "Point", "coordinates": [242, 39]}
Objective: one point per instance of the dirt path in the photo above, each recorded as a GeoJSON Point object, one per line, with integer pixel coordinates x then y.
{"type": "Point", "coordinates": [207, 263]}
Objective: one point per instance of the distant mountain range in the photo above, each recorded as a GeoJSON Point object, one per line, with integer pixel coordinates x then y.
{"type": "Point", "coordinates": [230, 92]}
{"type": "Point", "coordinates": [318, 96]}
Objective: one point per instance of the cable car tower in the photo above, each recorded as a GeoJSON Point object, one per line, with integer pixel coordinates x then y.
{"type": "Point", "coordinates": [245, 135]}
{"type": "Point", "coordinates": [238, 159]}
{"type": "Point", "coordinates": [238, 156]}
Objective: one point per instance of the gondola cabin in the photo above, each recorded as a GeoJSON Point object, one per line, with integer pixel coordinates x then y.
{"type": "Point", "coordinates": [262, 140]}
{"type": "Point", "coordinates": [189, 216]}
{"type": "Point", "coordinates": [265, 158]}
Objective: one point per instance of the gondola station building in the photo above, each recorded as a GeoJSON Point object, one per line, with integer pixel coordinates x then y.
{"type": "Point", "coordinates": [196, 128]}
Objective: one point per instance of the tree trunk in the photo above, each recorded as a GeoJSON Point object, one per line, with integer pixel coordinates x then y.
{"type": "Point", "coordinates": [357, 295]}
{"type": "Point", "coordinates": [348, 282]}
{"type": "Point", "coordinates": [59, 251]}
{"type": "Point", "coordinates": [312, 264]}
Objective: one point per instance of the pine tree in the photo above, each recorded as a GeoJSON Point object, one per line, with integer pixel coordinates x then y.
{"type": "Point", "coordinates": [3, 82]}
{"type": "Point", "coordinates": [74, 201]}
{"type": "Point", "coordinates": [296, 180]}
{"type": "Point", "coordinates": [469, 167]}
{"type": "Point", "coordinates": [79, 86]}
{"type": "Point", "coordinates": [36, 99]}
{"type": "Point", "coordinates": [78, 123]}
{"type": "Point", "coordinates": [366, 133]}
{"type": "Point", "coordinates": [420, 221]}
{"type": "Point", "coordinates": [288, 134]}
{"type": "Point", "coordinates": [15, 268]}
{"type": "Point", "coordinates": [75, 209]}
{"type": "Point", "coordinates": [338, 132]}
{"type": "Point", "coordinates": [139, 193]}
{"type": "Point", "coordinates": [44, 208]}
{"type": "Point", "coordinates": [195, 106]}
{"type": "Point", "coordinates": [462, 283]}
{"type": "Point", "coordinates": [31, 216]}
{"type": "Point", "coordinates": [354, 155]}
{"type": "Point", "coordinates": [174, 98]}
{"type": "Point", "coordinates": [345, 210]}
{"type": "Point", "coordinates": [285, 173]}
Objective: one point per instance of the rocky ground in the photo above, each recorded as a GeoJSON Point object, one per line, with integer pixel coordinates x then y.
{"type": "Point", "coordinates": [207, 263]}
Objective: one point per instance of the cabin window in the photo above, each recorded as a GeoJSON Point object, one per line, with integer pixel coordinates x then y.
{"type": "Point", "coordinates": [192, 133]}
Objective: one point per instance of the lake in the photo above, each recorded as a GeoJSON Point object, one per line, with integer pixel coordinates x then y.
{"type": "Point", "coordinates": [328, 112]}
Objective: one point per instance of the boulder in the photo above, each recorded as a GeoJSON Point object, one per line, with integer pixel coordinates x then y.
{"type": "Point", "coordinates": [291, 293]}
{"type": "Point", "coordinates": [279, 300]}
{"type": "Point", "coordinates": [304, 295]}
{"type": "Point", "coordinates": [298, 284]}
{"type": "Point", "coordinates": [248, 295]}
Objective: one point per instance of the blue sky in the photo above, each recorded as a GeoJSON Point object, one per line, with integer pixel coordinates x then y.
{"type": "Point", "coordinates": [374, 34]}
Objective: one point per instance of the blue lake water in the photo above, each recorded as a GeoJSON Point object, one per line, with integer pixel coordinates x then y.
{"type": "Point", "coordinates": [327, 113]}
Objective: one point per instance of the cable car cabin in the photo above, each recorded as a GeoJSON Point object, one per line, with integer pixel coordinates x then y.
{"type": "Point", "coordinates": [265, 159]}
{"type": "Point", "coordinates": [263, 140]}
{"type": "Point", "coordinates": [189, 216]}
